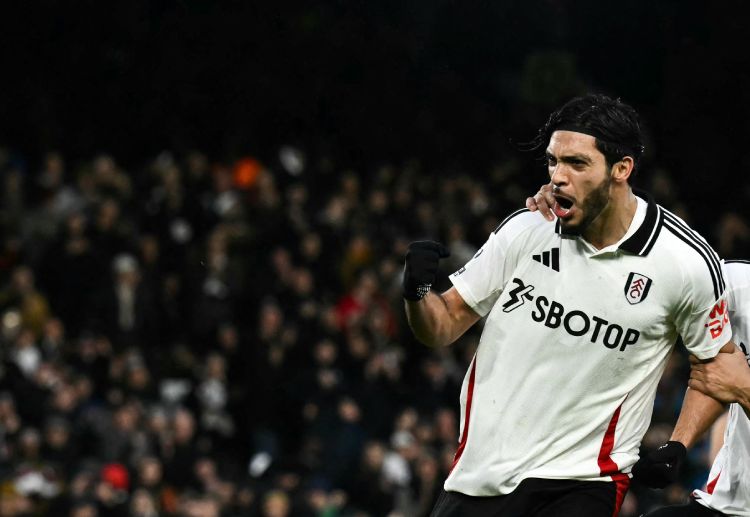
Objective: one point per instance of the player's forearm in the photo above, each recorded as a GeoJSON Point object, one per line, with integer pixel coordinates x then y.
{"type": "Point", "coordinates": [431, 321]}
{"type": "Point", "coordinates": [698, 413]}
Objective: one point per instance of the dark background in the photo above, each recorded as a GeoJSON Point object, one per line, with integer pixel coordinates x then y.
{"type": "Point", "coordinates": [412, 117]}
{"type": "Point", "coordinates": [443, 81]}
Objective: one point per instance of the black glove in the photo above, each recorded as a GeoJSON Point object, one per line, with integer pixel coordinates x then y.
{"type": "Point", "coordinates": [660, 467]}
{"type": "Point", "coordinates": [421, 268]}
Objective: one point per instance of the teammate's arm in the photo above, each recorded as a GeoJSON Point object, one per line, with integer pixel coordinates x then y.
{"type": "Point", "coordinates": [725, 378]}
{"type": "Point", "coordinates": [440, 319]}
{"type": "Point", "coordinates": [699, 411]}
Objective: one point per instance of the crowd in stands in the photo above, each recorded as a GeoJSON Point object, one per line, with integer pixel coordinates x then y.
{"type": "Point", "coordinates": [206, 339]}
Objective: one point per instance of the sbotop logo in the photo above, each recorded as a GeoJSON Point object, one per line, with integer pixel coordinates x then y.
{"type": "Point", "coordinates": [577, 323]}
{"type": "Point", "coordinates": [518, 295]}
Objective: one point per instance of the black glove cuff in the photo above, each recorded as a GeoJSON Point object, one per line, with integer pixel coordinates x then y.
{"type": "Point", "coordinates": [419, 293]}
{"type": "Point", "coordinates": [678, 445]}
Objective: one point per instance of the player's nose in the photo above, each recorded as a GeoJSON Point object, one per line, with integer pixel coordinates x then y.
{"type": "Point", "coordinates": [559, 175]}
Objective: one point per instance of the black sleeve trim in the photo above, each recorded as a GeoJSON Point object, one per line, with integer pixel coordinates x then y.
{"type": "Point", "coordinates": [692, 239]}
{"type": "Point", "coordinates": [511, 216]}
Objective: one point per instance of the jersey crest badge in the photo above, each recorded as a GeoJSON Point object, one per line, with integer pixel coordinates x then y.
{"type": "Point", "coordinates": [636, 288]}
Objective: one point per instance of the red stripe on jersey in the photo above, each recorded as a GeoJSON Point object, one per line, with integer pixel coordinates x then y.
{"type": "Point", "coordinates": [469, 396]}
{"type": "Point", "coordinates": [712, 485]}
{"type": "Point", "coordinates": [622, 482]}
{"type": "Point", "coordinates": [608, 467]}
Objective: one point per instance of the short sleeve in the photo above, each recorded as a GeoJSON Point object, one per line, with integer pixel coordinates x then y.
{"type": "Point", "coordinates": [703, 320]}
{"type": "Point", "coordinates": [738, 298]}
{"type": "Point", "coordinates": [482, 279]}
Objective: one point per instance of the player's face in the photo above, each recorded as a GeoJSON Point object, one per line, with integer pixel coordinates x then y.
{"type": "Point", "coordinates": [581, 179]}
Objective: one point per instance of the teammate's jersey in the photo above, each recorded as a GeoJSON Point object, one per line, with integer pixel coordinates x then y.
{"type": "Point", "coordinates": [728, 486]}
{"type": "Point", "coordinates": [575, 340]}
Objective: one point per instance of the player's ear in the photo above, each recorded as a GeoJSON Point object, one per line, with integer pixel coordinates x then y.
{"type": "Point", "coordinates": [622, 170]}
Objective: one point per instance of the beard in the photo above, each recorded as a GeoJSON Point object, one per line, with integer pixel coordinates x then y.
{"type": "Point", "coordinates": [592, 206]}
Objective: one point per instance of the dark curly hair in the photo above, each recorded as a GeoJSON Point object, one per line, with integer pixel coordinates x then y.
{"type": "Point", "coordinates": [614, 124]}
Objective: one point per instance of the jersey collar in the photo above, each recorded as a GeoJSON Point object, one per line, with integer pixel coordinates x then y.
{"type": "Point", "coordinates": [643, 239]}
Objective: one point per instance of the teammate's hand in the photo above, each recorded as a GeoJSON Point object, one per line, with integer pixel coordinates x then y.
{"type": "Point", "coordinates": [420, 268]}
{"type": "Point", "coordinates": [542, 201]}
{"type": "Point", "coordinates": [722, 377]}
{"type": "Point", "coordinates": [662, 466]}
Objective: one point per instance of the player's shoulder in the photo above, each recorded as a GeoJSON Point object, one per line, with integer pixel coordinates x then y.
{"type": "Point", "coordinates": [523, 220]}
{"type": "Point", "coordinates": [738, 271]}
{"type": "Point", "coordinates": [687, 250]}
{"type": "Point", "coordinates": [686, 245]}
{"type": "Point", "coordinates": [687, 239]}
{"type": "Point", "coordinates": [738, 276]}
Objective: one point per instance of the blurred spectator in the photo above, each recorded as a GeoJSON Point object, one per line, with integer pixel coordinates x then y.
{"type": "Point", "coordinates": [142, 504]}
{"type": "Point", "coordinates": [22, 294]}
{"type": "Point", "coordinates": [180, 450]}
{"type": "Point", "coordinates": [734, 236]}
{"type": "Point", "coordinates": [72, 270]}
{"type": "Point", "coordinates": [111, 232]}
{"type": "Point", "coordinates": [369, 489]}
{"type": "Point", "coordinates": [126, 306]}
{"type": "Point", "coordinates": [276, 504]}
{"type": "Point", "coordinates": [59, 448]}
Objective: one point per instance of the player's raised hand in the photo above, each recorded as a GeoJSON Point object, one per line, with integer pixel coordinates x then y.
{"type": "Point", "coordinates": [661, 467]}
{"type": "Point", "coordinates": [420, 268]}
{"type": "Point", "coordinates": [543, 201]}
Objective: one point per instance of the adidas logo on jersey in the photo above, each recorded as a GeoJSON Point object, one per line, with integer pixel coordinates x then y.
{"type": "Point", "coordinates": [549, 258]}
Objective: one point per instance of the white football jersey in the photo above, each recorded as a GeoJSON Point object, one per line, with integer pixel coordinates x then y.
{"type": "Point", "coordinates": [574, 343]}
{"type": "Point", "coordinates": [728, 486]}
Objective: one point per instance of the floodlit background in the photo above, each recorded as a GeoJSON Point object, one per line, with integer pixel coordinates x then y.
{"type": "Point", "coordinates": [205, 207]}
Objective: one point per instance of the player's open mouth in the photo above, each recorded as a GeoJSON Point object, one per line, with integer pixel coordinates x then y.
{"type": "Point", "coordinates": [562, 206]}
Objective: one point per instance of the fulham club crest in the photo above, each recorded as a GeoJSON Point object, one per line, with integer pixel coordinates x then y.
{"type": "Point", "coordinates": [636, 288]}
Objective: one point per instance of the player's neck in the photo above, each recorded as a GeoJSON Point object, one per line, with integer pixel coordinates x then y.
{"type": "Point", "coordinates": [614, 221]}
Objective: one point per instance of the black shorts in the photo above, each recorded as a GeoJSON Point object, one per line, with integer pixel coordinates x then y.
{"type": "Point", "coordinates": [692, 509]}
{"type": "Point", "coordinates": [539, 498]}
